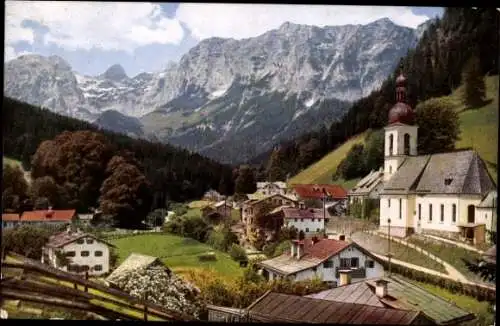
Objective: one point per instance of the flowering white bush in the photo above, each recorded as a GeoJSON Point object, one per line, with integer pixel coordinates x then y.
{"type": "Point", "coordinates": [163, 288]}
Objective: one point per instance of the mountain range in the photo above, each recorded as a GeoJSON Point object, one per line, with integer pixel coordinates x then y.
{"type": "Point", "coordinates": [228, 99]}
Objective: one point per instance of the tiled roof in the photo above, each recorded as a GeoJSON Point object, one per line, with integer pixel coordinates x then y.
{"type": "Point", "coordinates": [401, 295]}
{"type": "Point", "coordinates": [221, 203]}
{"type": "Point", "coordinates": [10, 217]}
{"type": "Point", "coordinates": [308, 213]}
{"type": "Point", "coordinates": [368, 183]}
{"type": "Point", "coordinates": [63, 238]}
{"type": "Point", "coordinates": [134, 261]}
{"type": "Point", "coordinates": [49, 215]}
{"type": "Point", "coordinates": [278, 307]}
{"type": "Point", "coordinates": [313, 255]}
{"type": "Point", "coordinates": [459, 172]}
{"type": "Point", "coordinates": [319, 191]}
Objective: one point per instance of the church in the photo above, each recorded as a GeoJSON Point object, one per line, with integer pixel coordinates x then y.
{"type": "Point", "coordinates": [439, 194]}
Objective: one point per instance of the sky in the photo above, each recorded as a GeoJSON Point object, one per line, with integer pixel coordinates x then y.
{"type": "Point", "coordinates": [145, 37]}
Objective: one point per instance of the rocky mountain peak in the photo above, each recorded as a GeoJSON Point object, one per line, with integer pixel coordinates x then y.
{"type": "Point", "coordinates": [115, 73]}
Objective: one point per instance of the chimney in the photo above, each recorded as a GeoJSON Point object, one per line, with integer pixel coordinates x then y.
{"type": "Point", "coordinates": [381, 288]}
{"type": "Point", "coordinates": [300, 249]}
{"type": "Point", "coordinates": [293, 252]}
{"type": "Point", "coordinates": [345, 277]}
{"type": "Point", "coordinates": [302, 205]}
{"type": "Point", "coordinates": [315, 240]}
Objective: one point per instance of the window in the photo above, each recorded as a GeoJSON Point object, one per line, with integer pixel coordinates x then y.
{"type": "Point", "coordinates": [430, 212]}
{"type": "Point", "coordinates": [85, 268]}
{"type": "Point", "coordinates": [73, 268]}
{"type": "Point", "coordinates": [98, 253]}
{"type": "Point", "coordinates": [389, 202]}
{"type": "Point", "coordinates": [453, 213]}
{"type": "Point", "coordinates": [79, 241]}
{"type": "Point", "coordinates": [312, 220]}
{"type": "Point", "coordinates": [314, 269]}
{"type": "Point", "coordinates": [328, 264]}
{"type": "Point", "coordinates": [370, 264]}
{"type": "Point", "coordinates": [98, 268]}
{"type": "Point", "coordinates": [281, 201]}
{"type": "Point", "coordinates": [442, 213]}
{"type": "Point", "coordinates": [390, 169]}
{"type": "Point", "coordinates": [407, 144]}
{"type": "Point", "coordinates": [302, 220]}
{"type": "Point", "coordinates": [90, 241]}
{"type": "Point", "coordinates": [85, 253]}
{"type": "Point", "coordinates": [70, 254]}
{"type": "Point", "coordinates": [317, 230]}
{"type": "Point", "coordinates": [307, 229]}
{"type": "Point", "coordinates": [296, 220]}
{"type": "Point", "coordinates": [345, 262]}
{"type": "Point", "coordinates": [400, 209]}
{"type": "Point", "coordinates": [419, 212]}
{"type": "Point", "coordinates": [354, 262]}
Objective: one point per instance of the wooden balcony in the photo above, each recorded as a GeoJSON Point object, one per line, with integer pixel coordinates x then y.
{"type": "Point", "coordinates": [359, 272]}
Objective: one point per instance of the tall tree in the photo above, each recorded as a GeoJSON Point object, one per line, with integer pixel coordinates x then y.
{"type": "Point", "coordinates": [374, 150]}
{"type": "Point", "coordinates": [46, 187]}
{"type": "Point", "coordinates": [439, 127]}
{"type": "Point", "coordinates": [14, 187]}
{"type": "Point", "coordinates": [275, 169]}
{"type": "Point", "coordinates": [125, 193]}
{"type": "Point", "coordinates": [474, 86]}
{"type": "Point", "coordinates": [245, 182]}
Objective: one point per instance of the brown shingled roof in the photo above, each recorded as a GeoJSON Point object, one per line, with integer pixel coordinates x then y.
{"type": "Point", "coordinates": [278, 307]}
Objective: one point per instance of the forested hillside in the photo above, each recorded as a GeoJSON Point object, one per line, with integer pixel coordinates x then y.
{"type": "Point", "coordinates": [434, 68]}
{"type": "Point", "coordinates": [174, 174]}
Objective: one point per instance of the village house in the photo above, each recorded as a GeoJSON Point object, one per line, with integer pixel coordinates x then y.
{"type": "Point", "coordinates": [308, 220]}
{"type": "Point", "coordinates": [327, 259]}
{"type": "Point", "coordinates": [322, 195]}
{"type": "Point", "coordinates": [279, 307]}
{"type": "Point", "coordinates": [222, 209]}
{"type": "Point", "coordinates": [367, 188]}
{"type": "Point", "coordinates": [437, 194]}
{"type": "Point", "coordinates": [40, 217]}
{"type": "Point", "coordinates": [264, 205]}
{"type": "Point", "coordinates": [393, 292]}
{"type": "Point", "coordinates": [272, 188]}
{"type": "Point", "coordinates": [85, 252]}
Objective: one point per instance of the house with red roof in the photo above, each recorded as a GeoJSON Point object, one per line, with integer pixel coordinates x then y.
{"type": "Point", "coordinates": [333, 197]}
{"type": "Point", "coordinates": [39, 217]}
{"type": "Point", "coordinates": [308, 220]}
{"type": "Point", "coordinates": [331, 260]}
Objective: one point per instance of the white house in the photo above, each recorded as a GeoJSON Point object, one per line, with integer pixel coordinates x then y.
{"type": "Point", "coordinates": [84, 251]}
{"type": "Point", "coordinates": [324, 258]}
{"type": "Point", "coordinates": [436, 194]}
{"type": "Point", "coordinates": [272, 188]}
{"type": "Point", "coordinates": [54, 217]}
{"type": "Point", "coordinates": [308, 220]}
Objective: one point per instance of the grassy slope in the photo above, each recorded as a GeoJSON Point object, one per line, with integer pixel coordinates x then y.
{"type": "Point", "coordinates": [321, 171]}
{"type": "Point", "coordinates": [178, 253]}
{"type": "Point", "coordinates": [478, 130]}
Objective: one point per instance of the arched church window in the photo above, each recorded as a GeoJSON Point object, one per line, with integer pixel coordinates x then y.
{"type": "Point", "coordinates": [407, 144]}
{"type": "Point", "coordinates": [390, 169]}
{"type": "Point", "coordinates": [391, 144]}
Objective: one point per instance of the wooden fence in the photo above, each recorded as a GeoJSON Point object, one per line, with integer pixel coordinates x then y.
{"type": "Point", "coordinates": [38, 283]}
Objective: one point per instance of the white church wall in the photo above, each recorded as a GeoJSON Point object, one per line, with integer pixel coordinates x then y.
{"type": "Point", "coordinates": [391, 210]}
{"type": "Point", "coordinates": [464, 202]}
{"type": "Point", "coordinates": [485, 215]}
{"type": "Point", "coordinates": [437, 224]}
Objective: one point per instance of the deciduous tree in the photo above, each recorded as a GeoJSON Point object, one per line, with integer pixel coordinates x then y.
{"type": "Point", "coordinates": [14, 187]}
{"type": "Point", "coordinates": [245, 182]}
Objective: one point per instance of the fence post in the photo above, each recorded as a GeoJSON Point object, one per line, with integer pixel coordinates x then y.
{"type": "Point", "coordinates": [145, 307]}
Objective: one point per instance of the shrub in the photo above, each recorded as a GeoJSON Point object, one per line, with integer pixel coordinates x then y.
{"type": "Point", "coordinates": [238, 253]}
{"type": "Point", "coordinates": [207, 257]}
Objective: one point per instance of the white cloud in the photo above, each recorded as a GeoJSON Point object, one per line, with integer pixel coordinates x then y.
{"type": "Point", "coordinates": [248, 20]}
{"type": "Point", "coordinates": [85, 25]}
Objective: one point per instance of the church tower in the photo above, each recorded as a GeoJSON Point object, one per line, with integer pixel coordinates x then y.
{"type": "Point", "coordinates": [400, 133]}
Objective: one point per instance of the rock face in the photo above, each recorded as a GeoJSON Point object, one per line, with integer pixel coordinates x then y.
{"type": "Point", "coordinates": [229, 99]}
{"type": "Point", "coordinates": [162, 288]}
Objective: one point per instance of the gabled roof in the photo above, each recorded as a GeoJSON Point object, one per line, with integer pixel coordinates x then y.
{"type": "Point", "coordinates": [401, 295]}
{"type": "Point", "coordinates": [134, 261]}
{"type": "Point", "coordinates": [266, 197]}
{"type": "Point", "coordinates": [368, 183]}
{"type": "Point", "coordinates": [319, 191]}
{"type": "Point", "coordinates": [307, 213]}
{"type": "Point", "coordinates": [490, 200]}
{"type": "Point", "coordinates": [49, 215]}
{"type": "Point", "coordinates": [64, 238]}
{"type": "Point", "coordinates": [10, 217]}
{"type": "Point", "coordinates": [458, 172]}
{"type": "Point", "coordinates": [313, 255]}
{"type": "Point", "coordinates": [279, 184]}
{"type": "Point", "coordinates": [221, 203]}
{"type": "Point", "coordinates": [279, 307]}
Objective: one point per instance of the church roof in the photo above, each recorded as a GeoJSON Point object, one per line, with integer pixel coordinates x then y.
{"type": "Point", "coordinates": [489, 201]}
{"type": "Point", "coordinates": [460, 172]}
